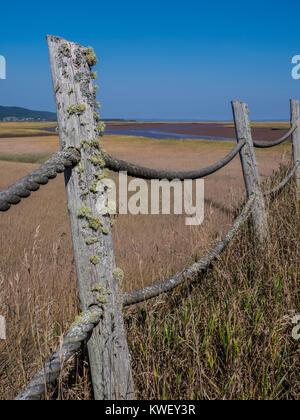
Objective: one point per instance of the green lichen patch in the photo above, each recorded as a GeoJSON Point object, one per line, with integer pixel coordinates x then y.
{"type": "Point", "coordinates": [97, 105]}
{"type": "Point", "coordinates": [101, 127]}
{"type": "Point", "coordinates": [84, 318]}
{"type": "Point", "coordinates": [97, 159]}
{"type": "Point", "coordinates": [102, 175]}
{"type": "Point", "coordinates": [90, 56]}
{"type": "Point", "coordinates": [96, 116]}
{"type": "Point", "coordinates": [101, 289]}
{"type": "Point", "coordinates": [118, 274]}
{"type": "Point", "coordinates": [95, 88]}
{"type": "Point", "coordinates": [84, 143]}
{"type": "Point", "coordinates": [84, 212]}
{"type": "Point", "coordinates": [95, 142]}
{"type": "Point", "coordinates": [93, 187]}
{"type": "Point", "coordinates": [79, 169]}
{"type": "Point", "coordinates": [93, 75]}
{"type": "Point", "coordinates": [91, 241]}
{"type": "Point", "coordinates": [94, 259]}
{"type": "Point", "coordinates": [105, 230]}
{"type": "Point", "coordinates": [101, 293]}
{"type": "Point", "coordinates": [100, 298]}
{"type": "Point", "coordinates": [77, 109]}
{"type": "Point", "coordinates": [95, 222]}
{"type": "Point", "coordinates": [98, 175]}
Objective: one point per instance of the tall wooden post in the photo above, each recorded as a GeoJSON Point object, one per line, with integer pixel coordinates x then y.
{"type": "Point", "coordinates": [249, 166]}
{"type": "Point", "coordinates": [91, 232]}
{"type": "Point", "coordinates": [295, 119]}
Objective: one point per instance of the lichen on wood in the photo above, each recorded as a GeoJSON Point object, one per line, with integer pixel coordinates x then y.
{"type": "Point", "coordinates": [76, 106]}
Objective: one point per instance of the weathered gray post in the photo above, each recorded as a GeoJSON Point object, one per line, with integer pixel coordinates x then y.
{"type": "Point", "coordinates": [249, 166]}
{"type": "Point", "coordinates": [295, 119]}
{"type": "Point", "coordinates": [90, 222]}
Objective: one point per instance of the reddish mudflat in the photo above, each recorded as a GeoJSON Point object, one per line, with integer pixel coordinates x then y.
{"type": "Point", "coordinates": [267, 131]}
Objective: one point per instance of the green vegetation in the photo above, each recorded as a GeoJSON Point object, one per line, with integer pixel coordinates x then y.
{"type": "Point", "coordinates": [26, 158]}
{"type": "Point", "coordinates": [27, 129]}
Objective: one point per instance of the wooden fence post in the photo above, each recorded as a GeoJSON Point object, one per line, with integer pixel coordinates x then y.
{"type": "Point", "coordinates": [295, 119]}
{"type": "Point", "coordinates": [249, 166]}
{"type": "Point", "coordinates": [91, 231]}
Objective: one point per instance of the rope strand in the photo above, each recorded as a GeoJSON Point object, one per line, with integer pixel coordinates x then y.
{"type": "Point", "coordinates": [23, 188]}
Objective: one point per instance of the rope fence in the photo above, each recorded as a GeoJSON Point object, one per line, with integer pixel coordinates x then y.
{"type": "Point", "coordinates": [49, 170]}
{"type": "Point", "coordinates": [133, 170]}
{"type": "Point", "coordinates": [284, 182]}
{"type": "Point", "coordinates": [71, 157]}
{"type": "Point", "coordinates": [78, 122]}
{"type": "Point", "coordinates": [84, 324]}
{"type": "Point", "coordinates": [266, 144]}
{"type": "Point", "coordinates": [79, 331]}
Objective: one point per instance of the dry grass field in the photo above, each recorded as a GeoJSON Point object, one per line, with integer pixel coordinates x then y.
{"type": "Point", "coordinates": [21, 129]}
{"type": "Point", "coordinates": [225, 338]}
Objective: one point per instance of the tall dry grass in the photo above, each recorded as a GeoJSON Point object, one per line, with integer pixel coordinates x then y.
{"type": "Point", "coordinates": [227, 336]}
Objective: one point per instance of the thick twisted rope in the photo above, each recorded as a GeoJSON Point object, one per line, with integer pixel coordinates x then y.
{"type": "Point", "coordinates": [80, 330]}
{"type": "Point", "coordinates": [22, 188]}
{"type": "Point", "coordinates": [263, 144]}
{"type": "Point", "coordinates": [117, 165]}
{"type": "Point", "coordinates": [284, 182]}
{"type": "Point", "coordinates": [191, 273]}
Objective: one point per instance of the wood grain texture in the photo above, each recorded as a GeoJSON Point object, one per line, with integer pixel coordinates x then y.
{"type": "Point", "coordinates": [249, 166]}
{"type": "Point", "coordinates": [95, 262]}
{"type": "Point", "coordinates": [295, 119]}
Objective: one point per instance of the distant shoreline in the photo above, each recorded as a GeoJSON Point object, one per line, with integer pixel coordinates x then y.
{"type": "Point", "coordinates": [221, 131]}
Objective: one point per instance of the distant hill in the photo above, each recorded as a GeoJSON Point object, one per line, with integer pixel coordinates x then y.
{"type": "Point", "coordinates": [12, 113]}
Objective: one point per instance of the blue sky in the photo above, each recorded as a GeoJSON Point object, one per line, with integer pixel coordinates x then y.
{"type": "Point", "coordinates": [160, 59]}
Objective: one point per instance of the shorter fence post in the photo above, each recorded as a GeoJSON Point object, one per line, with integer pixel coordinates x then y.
{"type": "Point", "coordinates": [249, 166]}
{"type": "Point", "coordinates": [295, 119]}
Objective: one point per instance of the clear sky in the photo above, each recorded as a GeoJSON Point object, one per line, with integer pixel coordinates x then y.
{"type": "Point", "coordinates": [159, 59]}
